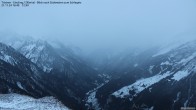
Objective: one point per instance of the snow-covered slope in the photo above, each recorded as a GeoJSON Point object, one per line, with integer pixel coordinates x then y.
{"type": "Point", "coordinates": [176, 59]}
{"type": "Point", "coordinates": [167, 79]}
{"type": "Point", "coordinates": [14, 101]}
{"type": "Point", "coordinates": [36, 51]}
{"type": "Point", "coordinates": [140, 85]}
{"type": "Point", "coordinates": [6, 54]}
{"type": "Point", "coordinates": [172, 45]}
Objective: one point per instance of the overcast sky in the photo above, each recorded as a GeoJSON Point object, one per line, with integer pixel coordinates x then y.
{"type": "Point", "coordinates": [105, 23]}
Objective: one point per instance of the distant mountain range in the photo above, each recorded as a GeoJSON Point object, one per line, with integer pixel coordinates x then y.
{"type": "Point", "coordinates": [153, 79]}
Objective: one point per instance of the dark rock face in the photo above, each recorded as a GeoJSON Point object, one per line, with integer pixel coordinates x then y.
{"type": "Point", "coordinates": [67, 80]}
{"type": "Point", "coordinates": [18, 74]}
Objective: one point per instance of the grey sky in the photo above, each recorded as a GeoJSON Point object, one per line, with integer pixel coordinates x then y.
{"type": "Point", "coordinates": [105, 23]}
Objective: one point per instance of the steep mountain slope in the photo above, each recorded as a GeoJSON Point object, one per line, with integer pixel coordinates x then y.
{"type": "Point", "coordinates": [58, 61]}
{"type": "Point", "coordinates": [159, 82]}
{"type": "Point", "coordinates": [63, 69]}
{"type": "Point", "coordinates": [18, 74]}
{"type": "Point", "coordinates": [15, 80]}
{"type": "Point", "coordinates": [124, 71]}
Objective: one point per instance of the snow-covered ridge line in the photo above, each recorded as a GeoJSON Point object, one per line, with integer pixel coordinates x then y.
{"type": "Point", "coordinates": [20, 102]}
{"type": "Point", "coordinates": [140, 85]}
{"type": "Point", "coordinates": [172, 45]}
{"type": "Point", "coordinates": [186, 60]}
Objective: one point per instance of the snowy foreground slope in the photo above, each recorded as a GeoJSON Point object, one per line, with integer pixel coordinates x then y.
{"type": "Point", "coordinates": [22, 102]}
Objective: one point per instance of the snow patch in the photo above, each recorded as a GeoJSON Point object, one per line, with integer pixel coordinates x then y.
{"type": "Point", "coordinates": [150, 89]}
{"type": "Point", "coordinates": [150, 69]}
{"type": "Point", "coordinates": [92, 101]}
{"type": "Point", "coordinates": [186, 60]}
{"type": "Point", "coordinates": [20, 86]}
{"type": "Point", "coordinates": [151, 108]}
{"type": "Point", "coordinates": [180, 75]}
{"type": "Point", "coordinates": [135, 65]}
{"type": "Point", "coordinates": [166, 63]}
{"type": "Point", "coordinates": [6, 58]}
{"type": "Point", "coordinates": [32, 50]}
{"type": "Point", "coordinates": [30, 47]}
{"type": "Point", "coordinates": [165, 50]}
{"type": "Point", "coordinates": [46, 69]}
{"type": "Point", "coordinates": [177, 97]}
